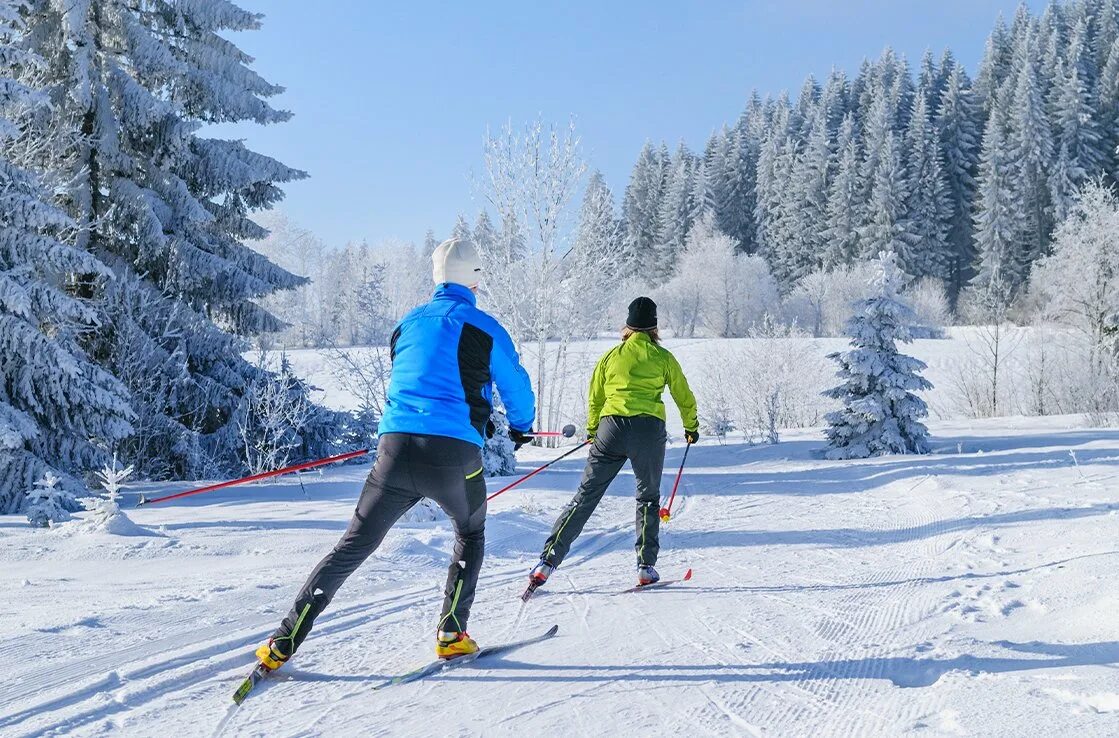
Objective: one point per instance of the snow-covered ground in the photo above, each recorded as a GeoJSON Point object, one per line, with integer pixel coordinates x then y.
{"type": "Point", "coordinates": [969, 592]}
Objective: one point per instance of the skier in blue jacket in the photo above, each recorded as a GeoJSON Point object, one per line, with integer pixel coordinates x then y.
{"type": "Point", "coordinates": [446, 355]}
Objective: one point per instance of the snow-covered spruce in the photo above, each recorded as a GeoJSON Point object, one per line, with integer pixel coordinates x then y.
{"type": "Point", "coordinates": [47, 504]}
{"type": "Point", "coordinates": [498, 456]}
{"type": "Point", "coordinates": [56, 407]}
{"type": "Point", "coordinates": [105, 515]}
{"type": "Point", "coordinates": [880, 413]}
{"type": "Point", "coordinates": [166, 209]}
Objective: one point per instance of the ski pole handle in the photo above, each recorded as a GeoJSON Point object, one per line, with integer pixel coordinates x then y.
{"type": "Point", "coordinates": [666, 512]}
{"type": "Point", "coordinates": [536, 471]}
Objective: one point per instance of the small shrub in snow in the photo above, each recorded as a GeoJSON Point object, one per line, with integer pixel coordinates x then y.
{"type": "Point", "coordinates": [929, 299]}
{"type": "Point", "coordinates": [762, 385]}
{"type": "Point", "coordinates": [498, 457]}
{"type": "Point", "coordinates": [780, 375]}
{"type": "Point", "coordinates": [105, 515]}
{"type": "Point", "coordinates": [880, 413]}
{"type": "Point", "coordinates": [46, 503]}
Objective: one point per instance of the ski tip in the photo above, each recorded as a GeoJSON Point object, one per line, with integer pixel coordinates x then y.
{"type": "Point", "coordinates": [553, 630]}
{"type": "Point", "coordinates": [687, 576]}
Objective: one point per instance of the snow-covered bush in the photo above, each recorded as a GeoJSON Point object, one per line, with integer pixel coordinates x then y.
{"type": "Point", "coordinates": [272, 418]}
{"type": "Point", "coordinates": [715, 396]}
{"type": "Point", "coordinates": [762, 385]}
{"type": "Point", "coordinates": [1079, 285]}
{"type": "Point", "coordinates": [47, 504]}
{"type": "Point", "coordinates": [821, 302]}
{"type": "Point", "coordinates": [928, 297]}
{"type": "Point", "coordinates": [716, 286]}
{"type": "Point", "coordinates": [780, 375]}
{"type": "Point", "coordinates": [498, 456]}
{"type": "Point", "coordinates": [880, 413]}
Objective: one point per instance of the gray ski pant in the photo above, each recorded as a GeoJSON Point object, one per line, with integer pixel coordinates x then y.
{"type": "Point", "coordinates": [409, 467]}
{"type": "Point", "coordinates": [639, 439]}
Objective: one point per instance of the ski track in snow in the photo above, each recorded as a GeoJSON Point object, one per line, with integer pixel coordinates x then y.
{"type": "Point", "coordinates": [955, 594]}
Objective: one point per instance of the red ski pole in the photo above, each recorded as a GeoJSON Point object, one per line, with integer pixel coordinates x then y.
{"type": "Point", "coordinates": [536, 471]}
{"type": "Point", "coordinates": [255, 477]}
{"type": "Point", "coordinates": [666, 512]}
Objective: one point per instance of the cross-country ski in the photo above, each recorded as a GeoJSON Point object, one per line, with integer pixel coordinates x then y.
{"type": "Point", "coordinates": [578, 369]}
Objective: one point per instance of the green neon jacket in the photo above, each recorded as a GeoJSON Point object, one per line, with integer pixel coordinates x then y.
{"type": "Point", "coordinates": [630, 379]}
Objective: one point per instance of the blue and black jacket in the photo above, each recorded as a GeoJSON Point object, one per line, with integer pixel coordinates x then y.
{"type": "Point", "coordinates": [446, 356]}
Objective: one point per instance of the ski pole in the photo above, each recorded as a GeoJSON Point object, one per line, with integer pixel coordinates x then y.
{"type": "Point", "coordinates": [666, 512]}
{"type": "Point", "coordinates": [536, 471]}
{"type": "Point", "coordinates": [567, 432]}
{"type": "Point", "coordinates": [255, 477]}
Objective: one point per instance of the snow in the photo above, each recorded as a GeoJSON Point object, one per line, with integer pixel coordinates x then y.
{"type": "Point", "coordinates": [969, 591]}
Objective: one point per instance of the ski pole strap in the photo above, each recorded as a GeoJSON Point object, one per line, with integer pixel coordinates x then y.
{"type": "Point", "coordinates": [679, 474]}
{"type": "Point", "coordinates": [536, 471]}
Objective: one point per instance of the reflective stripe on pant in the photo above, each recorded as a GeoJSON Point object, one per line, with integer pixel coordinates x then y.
{"type": "Point", "coordinates": [641, 441]}
{"type": "Point", "coordinates": [409, 467]}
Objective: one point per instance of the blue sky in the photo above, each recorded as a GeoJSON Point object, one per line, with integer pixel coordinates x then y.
{"type": "Point", "coordinates": [392, 100]}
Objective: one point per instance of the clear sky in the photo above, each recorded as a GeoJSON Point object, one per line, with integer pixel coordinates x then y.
{"type": "Point", "coordinates": [392, 99]}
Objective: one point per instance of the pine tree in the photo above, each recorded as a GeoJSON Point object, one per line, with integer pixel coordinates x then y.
{"type": "Point", "coordinates": [994, 67]}
{"type": "Point", "coordinates": [641, 206]}
{"type": "Point", "coordinates": [484, 234]}
{"type": "Point", "coordinates": [430, 243]}
{"type": "Point", "coordinates": [888, 228]}
{"type": "Point", "coordinates": [741, 173]}
{"type": "Point", "coordinates": [957, 121]}
{"type": "Point", "coordinates": [1077, 141]}
{"type": "Point", "coordinates": [880, 413]}
{"type": "Point", "coordinates": [929, 207]}
{"type": "Point", "coordinates": [675, 217]}
{"type": "Point", "coordinates": [58, 411]}
{"type": "Point", "coordinates": [461, 229]}
{"type": "Point", "coordinates": [167, 209]}
{"type": "Point", "coordinates": [841, 231]}
{"type": "Point", "coordinates": [47, 503]}
{"type": "Point", "coordinates": [808, 191]}
{"type": "Point", "coordinates": [595, 257]}
{"type": "Point", "coordinates": [1030, 147]}
{"type": "Point", "coordinates": [997, 220]}
{"type": "Point", "coordinates": [1109, 110]}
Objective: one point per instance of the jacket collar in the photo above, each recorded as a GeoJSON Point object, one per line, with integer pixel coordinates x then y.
{"type": "Point", "coordinates": [640, 336]}
{"type": "Point", "coordinates": [456, 292]}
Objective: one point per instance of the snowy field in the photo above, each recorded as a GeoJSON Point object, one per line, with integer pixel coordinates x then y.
{"type": "Point", "coordinates": [969, 592]}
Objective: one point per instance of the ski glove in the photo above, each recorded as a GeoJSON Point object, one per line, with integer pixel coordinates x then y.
{"type": "Point", "coordinates": [491, 429]}
{"type": "Point", "coordinates": [520, 438]}
{"type": "Point", "coordinates": [691, 436]}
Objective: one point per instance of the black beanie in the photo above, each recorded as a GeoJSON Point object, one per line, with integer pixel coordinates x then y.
{"type": "Point", "coordinates": [642, 314]}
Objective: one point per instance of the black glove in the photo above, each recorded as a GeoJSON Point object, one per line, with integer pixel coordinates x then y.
{"type": "Point", "coordinates": [691, 436]}
{"type": "Point", "coordinates": [520, 438]}
{"type": "Point", "coordinates": [490, 429]}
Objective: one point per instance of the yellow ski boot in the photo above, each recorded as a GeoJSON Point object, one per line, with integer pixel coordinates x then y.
{"type": "Point", "coordinates": [452, 644]}
{"type": "Point", "coordinates": [271, 655]}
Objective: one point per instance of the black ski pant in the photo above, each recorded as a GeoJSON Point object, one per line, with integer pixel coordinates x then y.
{"type": "Point", "coordinates": [639, 439]}
{"type": "Point", "coordinates": [409, 467]}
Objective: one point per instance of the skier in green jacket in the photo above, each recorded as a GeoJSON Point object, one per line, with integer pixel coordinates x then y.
{"type": "Point", "coordinates": [626, 420]}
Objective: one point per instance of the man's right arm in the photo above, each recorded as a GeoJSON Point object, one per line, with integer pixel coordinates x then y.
{"type": "Point", "coordinates": [512, 381]}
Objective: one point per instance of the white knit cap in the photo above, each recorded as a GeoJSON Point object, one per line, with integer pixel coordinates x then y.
{"type": "Point", "coordinates": [456, 260]}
